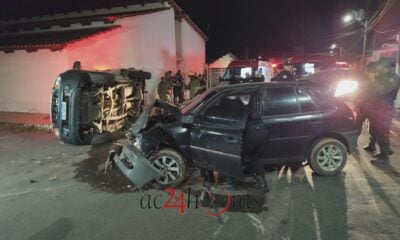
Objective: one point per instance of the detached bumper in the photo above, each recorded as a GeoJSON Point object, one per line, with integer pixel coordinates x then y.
{"type": "Point", "coordinates": [135, 166]}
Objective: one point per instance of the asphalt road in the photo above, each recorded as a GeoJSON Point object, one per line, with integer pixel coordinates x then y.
{"type": "Point", "coordinates": [52, 191]}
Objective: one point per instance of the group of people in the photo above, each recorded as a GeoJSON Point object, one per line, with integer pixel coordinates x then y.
{"type": "Point", "coordinates": [377, 105]}
{"type": "Point", "coordinates": [171, 88]}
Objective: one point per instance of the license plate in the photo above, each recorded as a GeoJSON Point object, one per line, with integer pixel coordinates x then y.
{"type": "Point", "coordinates": [63, 111]}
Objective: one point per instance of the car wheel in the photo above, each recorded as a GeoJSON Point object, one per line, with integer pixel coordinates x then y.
{"type": "Point", "coordinates": [328, 156]}
{"type": "Point", "coordinates": [172, 164]}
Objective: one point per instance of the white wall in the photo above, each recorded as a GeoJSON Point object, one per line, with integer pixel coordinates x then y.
{"type": "Point", "coordinates": [26, 79]}
{"type": "Point", "coordinates": [193, 49]}
{"type": "Point", "coordinates": [145, 42]}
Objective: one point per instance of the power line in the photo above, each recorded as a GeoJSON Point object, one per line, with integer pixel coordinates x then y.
{"type": "Point", "coordinates": [375, 20]}
{"type": "Point", "coordinates": [387, 31]}
{"type": "Point", "coordinates": [336, 35]}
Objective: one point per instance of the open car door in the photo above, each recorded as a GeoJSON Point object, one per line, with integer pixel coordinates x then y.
{"type": "Point", "coordinates": [216, 135]}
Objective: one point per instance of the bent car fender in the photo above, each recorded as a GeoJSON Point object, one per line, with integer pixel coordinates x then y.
{"type": "Point", "coordinates": [143, 118]}
{"type": "Point", "coordinates": [141, 171]}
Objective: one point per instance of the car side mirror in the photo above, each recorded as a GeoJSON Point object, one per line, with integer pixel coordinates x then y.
{"type": "Point", "coordinates": [187, 120]}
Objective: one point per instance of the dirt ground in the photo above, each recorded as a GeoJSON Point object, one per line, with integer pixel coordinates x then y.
{"type": "Point", "coordinates": [50, 190]}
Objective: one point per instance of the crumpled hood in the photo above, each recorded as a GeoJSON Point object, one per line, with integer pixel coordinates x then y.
{"type": "Point", "coordinates": [143, 118]}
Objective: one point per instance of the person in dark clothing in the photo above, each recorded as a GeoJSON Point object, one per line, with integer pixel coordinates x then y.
{"type": "Point", "coordinates": [202, 80]}
{"type": "Point", "coordinates": [163, 89]}
{"type": "Point", "coordinates": [362, 105]}
{"type": "Point", "coordinates": [254, 138]}
{"type": "Point", "coordinates": [178, 87]}
{"type": "Point", "coordinates": [286, 73]}
{"type": "Point", "coordinates": [387, 85]}
{"type": "Point", "coordinates": [203, 84]}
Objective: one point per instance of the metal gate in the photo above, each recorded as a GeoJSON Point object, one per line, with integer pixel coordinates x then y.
{"type": "Point", "coordinates": [213, 75]}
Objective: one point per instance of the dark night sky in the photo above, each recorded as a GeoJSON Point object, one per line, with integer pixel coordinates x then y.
{"type": "Point", "coordinates": [266, 27]}
{"type": "Point", "coordinates": [272, 27]}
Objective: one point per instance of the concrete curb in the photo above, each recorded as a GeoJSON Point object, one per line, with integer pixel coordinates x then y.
{"type": "Point", "coordinates": [27, 127]}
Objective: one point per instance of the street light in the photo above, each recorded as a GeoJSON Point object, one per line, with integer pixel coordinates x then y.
{"type": "Point", "coordinates": [333, 46]}
{"type": "Point", "coordinates": [348, 18]}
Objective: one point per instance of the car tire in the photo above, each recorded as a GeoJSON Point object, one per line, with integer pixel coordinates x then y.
{"type": "Point", "coordinates": [172, 163]}
{"type": "Point", "coordinates": [328, 157]}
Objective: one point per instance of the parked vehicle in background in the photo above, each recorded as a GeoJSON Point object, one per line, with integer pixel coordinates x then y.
{"type": "Point", "coordinates": [307, 64]}
{"type": "Point", "coordinates": [247, 71]}
{"type": "Point", "coordinates": [85, 104]}
{"type": "Point", "coordinates": [211, 132]}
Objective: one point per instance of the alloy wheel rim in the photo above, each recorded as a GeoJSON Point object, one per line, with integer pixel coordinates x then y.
{"type": "Point", "coordinates": [169, 167]}
{"type": "Point", "coordinates": [330, 157]}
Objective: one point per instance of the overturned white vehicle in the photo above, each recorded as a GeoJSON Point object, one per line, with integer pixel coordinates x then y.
{"type": "Point", "coordinates": [85, 104]}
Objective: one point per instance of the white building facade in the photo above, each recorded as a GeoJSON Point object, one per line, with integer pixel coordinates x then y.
{"type": "Point", "coordinates": [156, 37]}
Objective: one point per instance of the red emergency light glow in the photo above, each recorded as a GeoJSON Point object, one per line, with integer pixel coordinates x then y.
{"type": "Point", "coordinates": [110, 19]}
{"type": "Point", "coordinates": [97, 52]}
{"type": "Point", "coordinates": [274, 65]}
{"type": "Point", "coordinates": [101, 67]}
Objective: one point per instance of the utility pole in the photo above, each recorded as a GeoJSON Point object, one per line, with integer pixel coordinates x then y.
{"type": "Point", "coordinates": [360, 17]}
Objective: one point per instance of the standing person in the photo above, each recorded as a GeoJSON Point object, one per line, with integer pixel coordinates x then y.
{"type": "Point", "coordinates": [277, 70]}
{"type": "Point", "coordinates": [202, 80]}
{"type": "Point", "coordinates": [286, 73]}
{"type": "Point", "coordinates": [163, 89]}
{"type": "Point", "coordinates": [203, 84]}
{"type": "Point", "coordinates": [254, 141]}
{"type": "Point", "coordinates": [254, 138]}
{"type": "Point", "coordinates": [170, 79]}
{"type": "Point", "coordinates": [362, 105]}
{"type": "Point", "coordinates": [194, 84]}
{"type": "Point", "coordinates": [178, 88]}
{"type": "Point", "coordinates": [259, 76]}
{"type": "Point", "coordinates": [382, 109]}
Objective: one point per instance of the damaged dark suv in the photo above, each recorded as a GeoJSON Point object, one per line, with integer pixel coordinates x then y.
{"type": "Point", "coordinates": [212, 132]}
